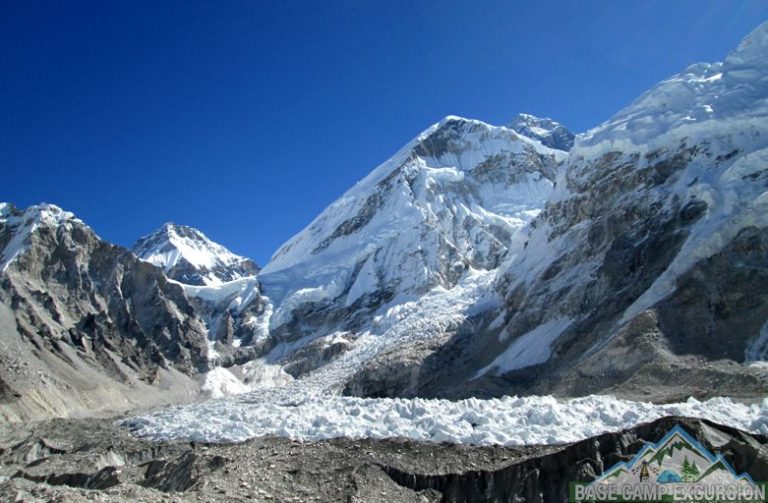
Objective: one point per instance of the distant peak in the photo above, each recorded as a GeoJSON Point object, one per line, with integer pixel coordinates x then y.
{"type": "Point", "coordinates": [189, 256]}
{"type": "Point", "coordinates": [43, 213]}
{"type": "Point", "coordinates": [173, 234]}
{"type": "Point", "coordinates": [456, 123]}
{"type": "Point", "coordinates": [549, 132]}
{"type": "Point", "coordinates": [458, 119]}
{"type": "Point", "coordinates": [445, 135]}
{"type": "Point", "coordinates": [452, 125]}
{"type": "Point", "coordinates": [172, 228]}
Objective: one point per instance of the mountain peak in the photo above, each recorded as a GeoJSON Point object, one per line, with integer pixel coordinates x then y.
{"type": "Point", "coordinates": [189, 256]}
{"type": "Point", "coordinates": [43, 213]}
{"type": "Point", "coordinates": [176, 231]}
{"type": "Point", "coordinates": [23, 223]}
{"type": "Point", "coordinates": [549, 132]}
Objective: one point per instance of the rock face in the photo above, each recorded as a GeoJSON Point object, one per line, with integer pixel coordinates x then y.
{"type": "Point", "coordinates": [186, 255]}
{"type": "Point", "coordinates": [86, 326]}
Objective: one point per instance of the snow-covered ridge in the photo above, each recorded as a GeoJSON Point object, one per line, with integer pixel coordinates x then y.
{"type": "Point", "coordinates": [187, 255]}
{"type": "Point", "coordinates": [22, 223]}
{"type": "Point", "coordinates": [705, 97]}
{"type": "Point", "coordinates": [459, 157]}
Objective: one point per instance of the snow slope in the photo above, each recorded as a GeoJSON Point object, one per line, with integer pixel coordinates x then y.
{"type": "Point", "coordinates": [722, 96]}
{"type": "Point", "coordinates": [188, 256]}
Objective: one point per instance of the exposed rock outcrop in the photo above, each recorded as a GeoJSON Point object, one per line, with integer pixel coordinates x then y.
{"type": "Point", "coordinates": [86, 326]}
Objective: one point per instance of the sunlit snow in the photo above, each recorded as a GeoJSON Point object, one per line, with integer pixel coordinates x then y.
{"type": "Point", "coordinates": [504, 421]}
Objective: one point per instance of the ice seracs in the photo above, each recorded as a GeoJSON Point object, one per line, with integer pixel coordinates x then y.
{"type": "Point", "coordinates": [188, 256]}
{"type": "Point", "coordinates": [532, 420]}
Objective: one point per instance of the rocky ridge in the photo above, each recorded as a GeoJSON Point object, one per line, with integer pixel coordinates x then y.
{"type": "Point", "coordinates": [86, 326]}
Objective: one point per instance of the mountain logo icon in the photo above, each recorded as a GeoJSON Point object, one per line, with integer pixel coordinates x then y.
{"type": "Point", "coordinates": [676, 468]}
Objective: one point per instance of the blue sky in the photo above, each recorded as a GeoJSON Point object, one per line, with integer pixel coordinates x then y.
{"type": "Point", "coordinates": [246, 118]}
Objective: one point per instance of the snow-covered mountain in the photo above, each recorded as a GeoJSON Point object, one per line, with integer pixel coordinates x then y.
{"type": "Point", "coordinates": [451, 203]}
{"type": "Point", "coordinates": [186, 255]}
{"type": "Point", "coordinates": [220, 285]}
{"type": "Point", "coordinates": [479, 261]}
{"type": "Point", "coordinates": [484, 261]}
{"type": "Point", "coordinates": [644, 273]}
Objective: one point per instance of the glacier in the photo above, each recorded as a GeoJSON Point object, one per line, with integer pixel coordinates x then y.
{"type": "Point", "coordinates": [535, 420]}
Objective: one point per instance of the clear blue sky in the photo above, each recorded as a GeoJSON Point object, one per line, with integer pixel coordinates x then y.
{"type": "Point", "coordinates": [246, 118]}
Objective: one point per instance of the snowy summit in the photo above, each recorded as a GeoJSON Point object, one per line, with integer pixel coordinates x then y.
{"type": "Point", "coordinates": [550, 133]}
{"type": "Point", "coordinates": [188, 256]}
